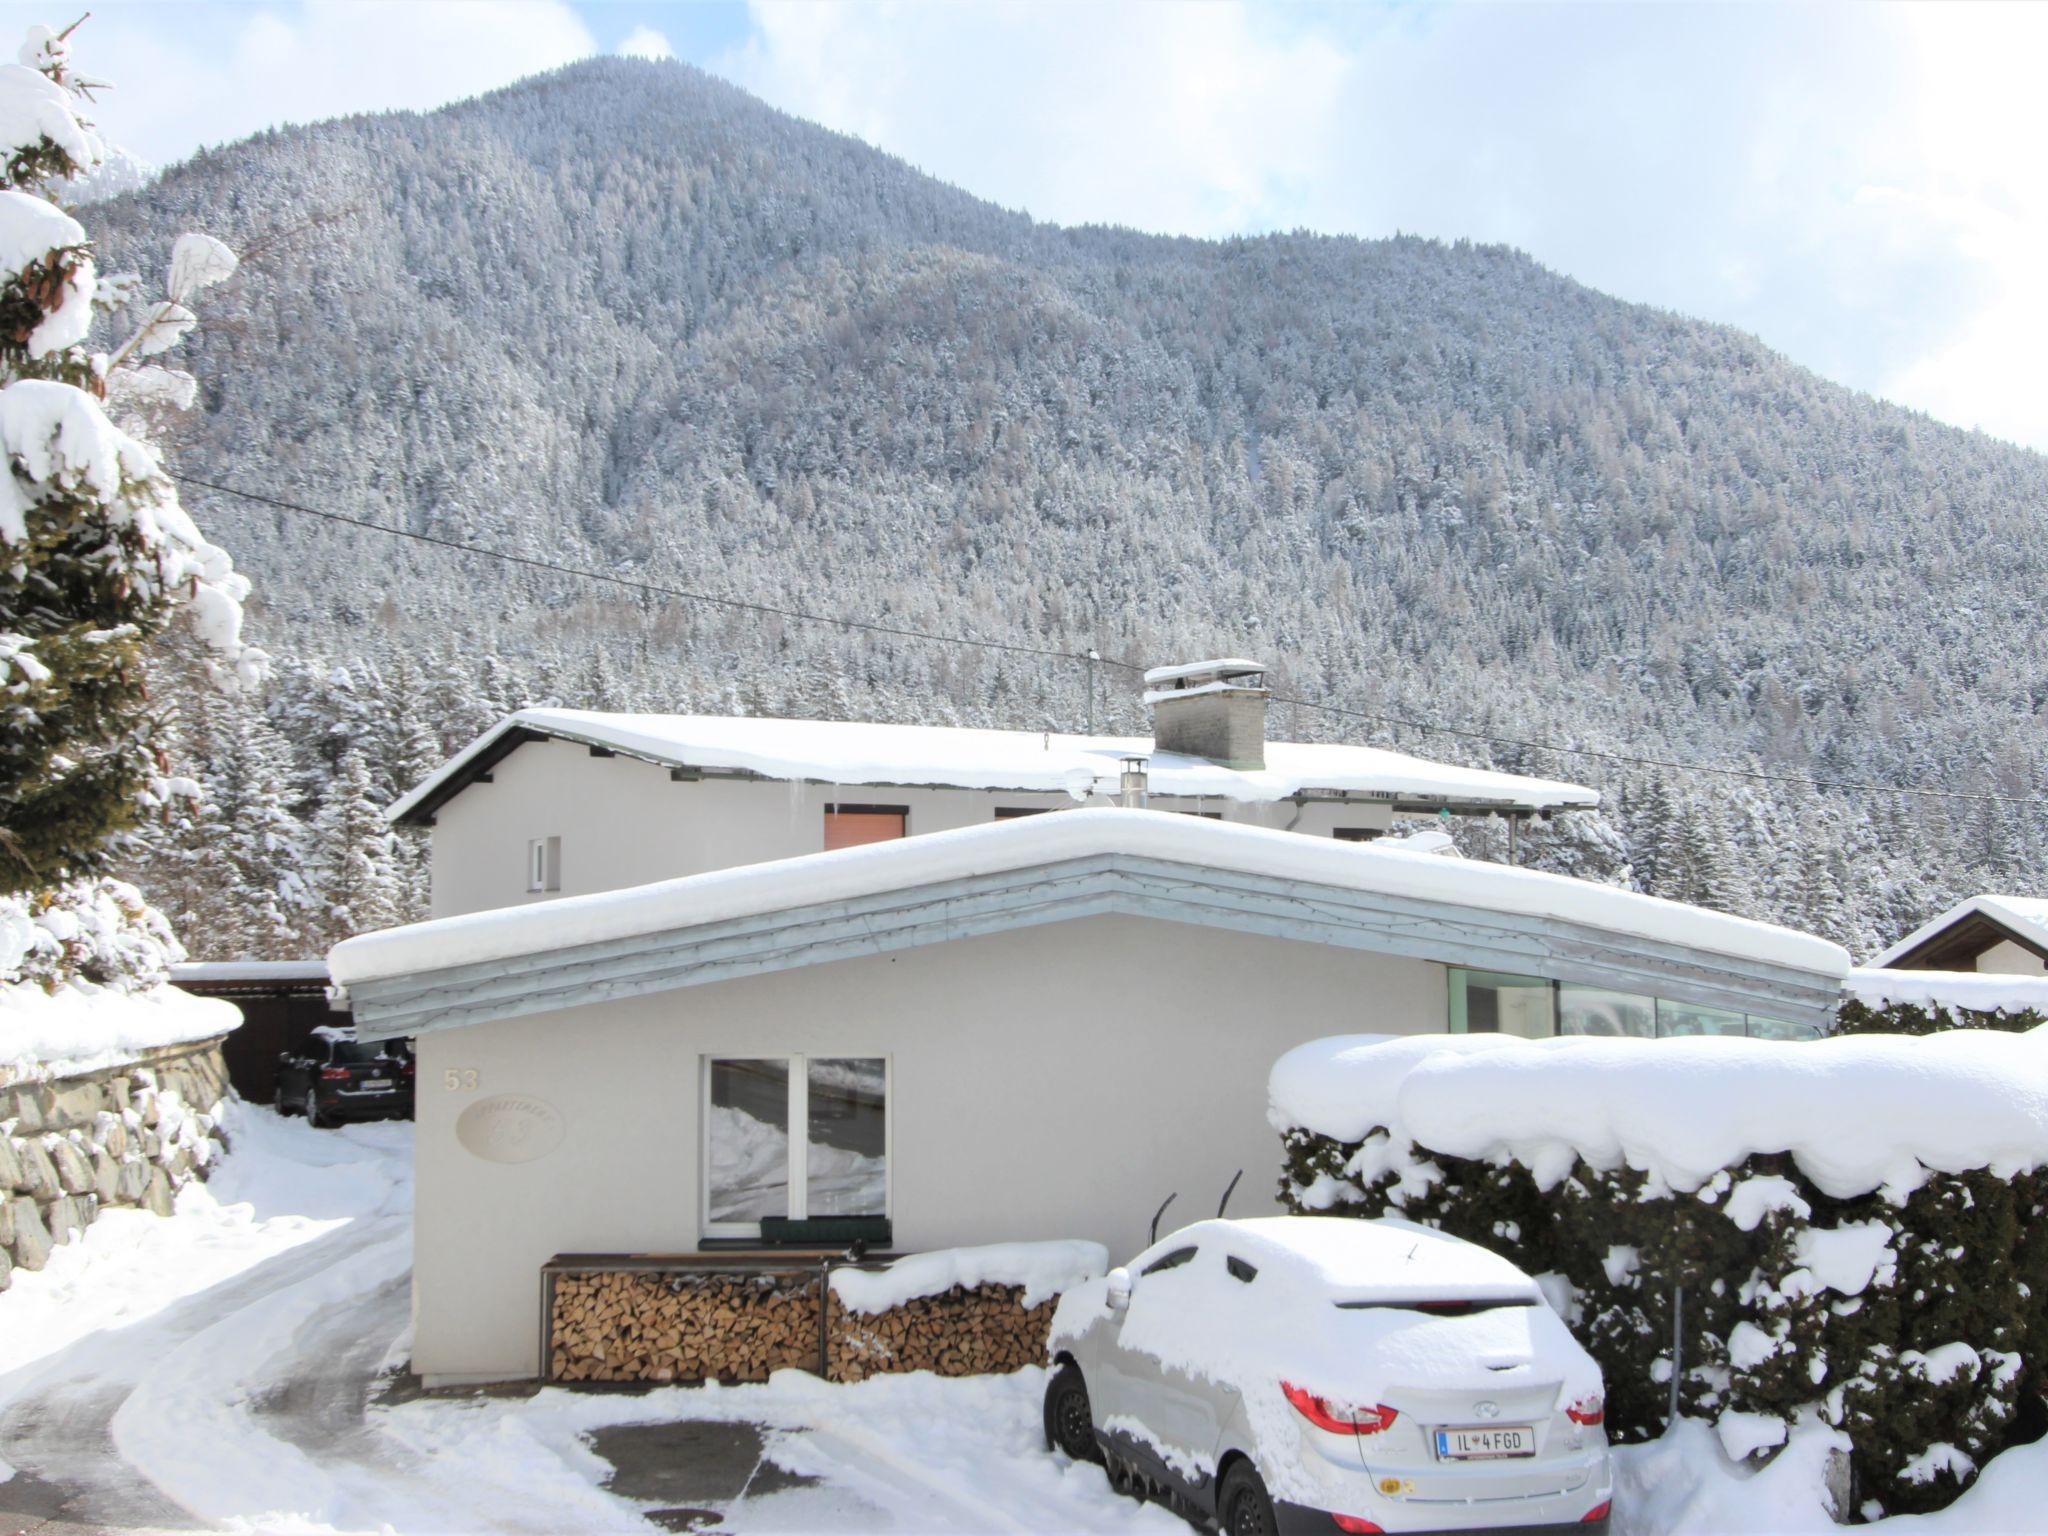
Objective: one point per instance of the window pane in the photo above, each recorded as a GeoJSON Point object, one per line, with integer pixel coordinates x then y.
{"type": "Point", "coordinates": [1596, 1011]}
{"type": "Point", "coordinates": [1761, 1028]}
{"type": "Point", "coordinates": [848, 1164]}
{"type": "Point", "coordinates": [850, 829]}
{"type": "Point", "coordinates": [1690, 1019]}
{"type": "Point", "coordinates": [749, 1136]}
{"type": "Point", "coordinates": [1487, 1002]}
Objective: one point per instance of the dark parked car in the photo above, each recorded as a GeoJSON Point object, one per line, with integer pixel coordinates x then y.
{"type": "Point", "coordinates": [339, 1078]}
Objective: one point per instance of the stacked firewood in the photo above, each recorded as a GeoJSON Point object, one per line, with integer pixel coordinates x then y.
{"type": "Point", "coordinates": [627, 1325]}
{"type": "Point", "coordinates": [960, 1332]}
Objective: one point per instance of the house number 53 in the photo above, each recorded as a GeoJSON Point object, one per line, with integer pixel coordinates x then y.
{"type": "Point", "coordinates": [456, 1079]}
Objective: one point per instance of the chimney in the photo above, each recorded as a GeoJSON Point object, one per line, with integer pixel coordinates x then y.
{"type": "Point", "coordinates": [1211, 709]}
{"type": "Point", "coordinates": [1131, 792]}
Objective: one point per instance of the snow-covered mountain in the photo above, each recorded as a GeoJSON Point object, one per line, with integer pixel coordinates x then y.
{"type": "Point", "coordinates": [626, 316]}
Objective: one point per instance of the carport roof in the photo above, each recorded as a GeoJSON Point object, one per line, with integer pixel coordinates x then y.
{"type": "Point", "coordinates": [1041, 869]}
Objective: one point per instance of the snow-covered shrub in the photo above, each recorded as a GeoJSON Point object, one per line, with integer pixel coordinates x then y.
{"type": "Point", "coordinates": [1859, 1225]}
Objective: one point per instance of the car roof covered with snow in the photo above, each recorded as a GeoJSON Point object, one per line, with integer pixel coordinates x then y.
{"type": "Point", "coordinates": [933, 756]}
{"type": "Point", "coordinates": [1351, 1259]}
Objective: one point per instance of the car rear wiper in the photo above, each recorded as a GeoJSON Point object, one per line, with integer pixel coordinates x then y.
{"type": "Point", "coordinates": [1438, 1308]}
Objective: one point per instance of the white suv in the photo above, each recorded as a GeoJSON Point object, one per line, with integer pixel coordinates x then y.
{"type": "Point", "coordinates": [1327, 1374]}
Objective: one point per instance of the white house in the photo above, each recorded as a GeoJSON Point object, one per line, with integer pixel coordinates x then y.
{"type": "Point", "coordinates": [1995, 935]}
{"type": "Point", "coordinates": [556, 802]}
{"type": "Point", "coordinates": [1032, 1027]}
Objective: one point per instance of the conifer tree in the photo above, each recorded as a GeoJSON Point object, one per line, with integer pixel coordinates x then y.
{"type": "Point", "coordinates": [355, 858]}
{"type": "Point", "coordinates": [96, 554]}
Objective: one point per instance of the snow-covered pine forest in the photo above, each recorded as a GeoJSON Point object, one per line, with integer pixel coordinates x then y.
{"type": "Point", "coordinates": [624, 316]}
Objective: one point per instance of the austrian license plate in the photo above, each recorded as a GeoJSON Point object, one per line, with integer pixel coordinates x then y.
{"type": "Point", "coordinates": [1482, 1444]}
{"type": "Point", "coordinates": [370, 1084]}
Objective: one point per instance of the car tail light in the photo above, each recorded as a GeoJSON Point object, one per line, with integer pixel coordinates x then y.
{"type": "Point", "coordinates": [1324, 1414]}
{"type": "Point", "coordinates": [334, 1074]}
{"type": "Point", "coordinates": [1597, 1512]}
{"type": "Point", "coordinates": [1587, 1410]}
{"type": "Point", "coordinates": [1358, 1525]}
{"type": "Point", "coordinates": [407, 1068]}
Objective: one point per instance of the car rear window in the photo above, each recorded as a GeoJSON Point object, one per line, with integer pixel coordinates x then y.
{"type": "Point", "coordinates": [355, 1052]}
{"type": "Point", "coordinates": [1172, 1260]}
{"type": "Point", "coordinates": [1445, 1308]}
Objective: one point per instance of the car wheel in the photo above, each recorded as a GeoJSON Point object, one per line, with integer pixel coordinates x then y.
{"type": "Point", "coordinates": [1245, 1506]}
{"type": "Point", "coordinates": [314, 1117]}
{"type": "Point", "coordinates": [1069, 1424]}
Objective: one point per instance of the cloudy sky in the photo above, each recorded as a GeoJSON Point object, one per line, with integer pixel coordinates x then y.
{"type": "Point", "coordinates": [1860, 186]}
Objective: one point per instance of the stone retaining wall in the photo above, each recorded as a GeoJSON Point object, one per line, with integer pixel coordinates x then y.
{"type": "Point", "coordinates": [130, 1135]}
{"type": "Point", "coordinates": [677, 1325]}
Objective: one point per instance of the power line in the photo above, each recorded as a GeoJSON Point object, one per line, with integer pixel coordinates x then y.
{"type": "Point", "coordinates": [1086, 658]}
{"type": "Point", "coordinates": [648, 587]}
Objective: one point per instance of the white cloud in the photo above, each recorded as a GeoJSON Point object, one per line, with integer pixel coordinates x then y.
{"type": "Point", "coordinates": [208, 74]}
{"type": "Point", "coordinates": [1200, 119]}
{"type": "Point", "coordinates": [646, 43]}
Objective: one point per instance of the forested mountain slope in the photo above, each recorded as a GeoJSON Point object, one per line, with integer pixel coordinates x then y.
{"type": "Point", "coordinates": [626, 316]}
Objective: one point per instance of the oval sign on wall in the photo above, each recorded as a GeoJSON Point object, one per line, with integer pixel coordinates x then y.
{"type": "Point", "coordinates": [509, 1128]}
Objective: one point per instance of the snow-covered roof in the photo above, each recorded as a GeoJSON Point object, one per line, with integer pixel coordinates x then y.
{"type": "Point", "coordinates": [849, 752]}
{"type": "Point", "coordinates": [1977, 991]}
{"type": "Point", "coordinates": [1459, 910]}
{"type": "Point", "coordinates": [1222, 666]}
{"type": "Point", "coordinates": [201, 972]}
{"type": "Point", "coordinates": [2024, 916]}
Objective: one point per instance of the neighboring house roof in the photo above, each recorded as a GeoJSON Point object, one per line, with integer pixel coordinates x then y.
{"type": "Point", "coordinates": [847, 752]}
{"type": "Point", "coordinates": [1975, 991]}
{"type": "Point", "coordinates": [252, 978]}
{"type": "Point", "coordinates": [1041, 869]}
{"type": "Point", "coordinates": [1970, 928]}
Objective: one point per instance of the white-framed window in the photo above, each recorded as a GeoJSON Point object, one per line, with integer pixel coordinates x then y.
{"type": "Point", "coordinates": [793, 1136]}
{"type": "Point", "coordinates": [543, 864]}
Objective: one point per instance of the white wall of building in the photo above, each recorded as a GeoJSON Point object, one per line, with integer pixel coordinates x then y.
{"type": "Point", "coordinates": [2006, 958]}
{"type": "Point", "coordinates": [1057, 1081]}
{"type": "Point", "coordinates": [624, 822]}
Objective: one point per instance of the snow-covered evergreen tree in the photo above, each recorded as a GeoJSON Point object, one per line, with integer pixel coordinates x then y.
{"type": "Point", "coordinates": [96, 554]}
{"type": "Point", "coordinates": [355, 858]}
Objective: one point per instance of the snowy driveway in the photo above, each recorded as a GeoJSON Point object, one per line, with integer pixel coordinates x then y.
{"type": "Point", "coordinates": [225, 1370]}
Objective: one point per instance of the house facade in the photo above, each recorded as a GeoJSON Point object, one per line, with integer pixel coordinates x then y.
{"type": "Point", "coordinates": [1991, 935]}
{"type": "Point", "coordinates": [1033, 1027]}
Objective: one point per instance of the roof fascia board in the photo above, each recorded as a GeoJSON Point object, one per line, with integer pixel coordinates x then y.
{"type": "Point", "coordinates": [895, 921]}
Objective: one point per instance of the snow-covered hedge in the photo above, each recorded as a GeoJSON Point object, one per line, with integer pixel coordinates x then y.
{"type": "Point", "coordinates": [1923, 1002]}
{"type": "Point", "coordinates": [1860, 1224]}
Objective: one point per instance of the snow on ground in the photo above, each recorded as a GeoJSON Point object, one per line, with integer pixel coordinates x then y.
{"type": "Point", "coordinates": [223, 1365]}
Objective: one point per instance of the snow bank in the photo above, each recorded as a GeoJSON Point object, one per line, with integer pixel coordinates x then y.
{"type": "Point", "coordinates": [1043, 1269]}
{"type": "Point", "coordinates": [1977, 991]}
{"type": "Point", "coordinates": [82, 1028]}
{"type": "Point", "coordinates": [1034, 840]}
{"type": "Point", "coordinates": [1858, 1113]}
{"type": "Point", "coordinates": [851, 752]}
